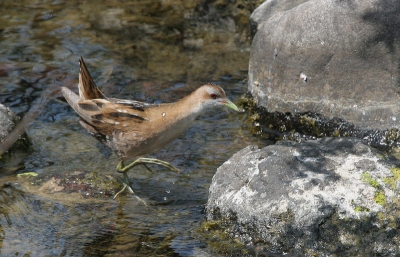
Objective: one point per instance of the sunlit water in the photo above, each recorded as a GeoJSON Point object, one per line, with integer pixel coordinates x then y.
{"type": "Point", "coordinates": [144, 50]}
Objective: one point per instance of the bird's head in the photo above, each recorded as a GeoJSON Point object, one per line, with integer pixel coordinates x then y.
{"type": "Point", "coordinates": [213, 95]}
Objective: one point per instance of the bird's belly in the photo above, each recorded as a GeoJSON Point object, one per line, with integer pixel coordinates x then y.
{"type": "Point", "coordinates": [129, 148]}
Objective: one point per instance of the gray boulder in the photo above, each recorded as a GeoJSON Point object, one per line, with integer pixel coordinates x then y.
{"type": "Point", "coordinates": [333, 195]}
{"type": "Point", "coordinates": [336, 58]}
{"type": "Point", "coordinates": [269, 8]}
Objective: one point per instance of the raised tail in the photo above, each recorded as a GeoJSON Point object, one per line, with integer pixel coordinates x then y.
{"type": "Point", "coordinates": [87, 88]}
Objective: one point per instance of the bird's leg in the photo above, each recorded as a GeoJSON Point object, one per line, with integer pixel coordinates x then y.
{"type": "Point", "coordinates": [126, 182]}
{"type": "Point", "coordinates": [121, 168]}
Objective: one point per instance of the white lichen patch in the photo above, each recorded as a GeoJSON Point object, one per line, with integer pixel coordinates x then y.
{"type": "Point", "coordinates": [347, 192]}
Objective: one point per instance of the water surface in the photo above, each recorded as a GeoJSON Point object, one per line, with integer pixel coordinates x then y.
{"type": "Point", "coordinates": [154, 51]}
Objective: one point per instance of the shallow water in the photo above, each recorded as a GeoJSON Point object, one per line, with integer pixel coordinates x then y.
{"type": "Point", "coordinates": [155, 51]}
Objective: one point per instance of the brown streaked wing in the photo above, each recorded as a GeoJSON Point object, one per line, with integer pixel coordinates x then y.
{"type": "Point", "coordinates": [117, 116]}
{"type": "Point", "coordinates": [111, 122]}
{"type": "Point", "coordinates": [88, 106]}
{"type": "Point", "coordinates": [132, 104]}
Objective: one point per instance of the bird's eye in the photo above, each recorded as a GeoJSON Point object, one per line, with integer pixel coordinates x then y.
{"type": "Point", "coordinates": [213, 96]}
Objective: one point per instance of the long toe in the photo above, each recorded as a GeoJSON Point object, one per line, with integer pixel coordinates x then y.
{"type": "Point", "coordinates": [158, 162]}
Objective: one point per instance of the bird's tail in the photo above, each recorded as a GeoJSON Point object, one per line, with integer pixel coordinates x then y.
{"type": "Point", "coordinates": [74, 100]}
{"type": "Point", "coordinates": [87, 88]}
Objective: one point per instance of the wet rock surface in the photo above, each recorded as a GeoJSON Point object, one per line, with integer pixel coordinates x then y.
{"type": "Point", "coordinates": [7, 121]}
{"type": "Point", "coordinates": [32, 223]}
{"type": "Point", "coordinates": [335, 58]}
{"type": "Point", "coordinates": [333, 195]}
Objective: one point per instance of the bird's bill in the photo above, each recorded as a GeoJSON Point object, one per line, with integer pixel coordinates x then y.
{"type": "Point", "coordinates": [229, 104]}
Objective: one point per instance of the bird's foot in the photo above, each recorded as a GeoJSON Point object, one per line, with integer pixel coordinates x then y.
{"type": "Point", "coordinates": [165, 164]}
{"type": "Point", "coordinates": [123, 189]}
{"type": "Point", "coordinates": [140, 161]}
{"type": "Point", "coordinates": [143, 161]}
{"type": "Point", "coordinates": [127, 186]}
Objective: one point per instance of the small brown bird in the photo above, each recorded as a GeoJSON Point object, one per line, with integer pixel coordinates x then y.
{"type": "Point", "coordinates": [132, 128]}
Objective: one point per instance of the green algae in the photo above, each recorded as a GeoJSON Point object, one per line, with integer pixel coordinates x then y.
{"type": "Point", "coordinates": [391, 181]}
{"type": "Point", "coordinates": [217, 235]}
{"type": "Point", "coordinates": [361, 209]}
{"type": "Point", "coordinates": [380, 197]}
{"type": "Point", "coordinates": [367, 178]}
{"type": "Point", "coordinates": [27, 174]}
{"type": "Point", "coordinates": [312, 123]}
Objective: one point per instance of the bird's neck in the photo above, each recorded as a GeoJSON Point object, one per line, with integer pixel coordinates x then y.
{"type": "Point", "coordinates": [181, 113]}
{"type": "Point", "coordinates": [191, 105]}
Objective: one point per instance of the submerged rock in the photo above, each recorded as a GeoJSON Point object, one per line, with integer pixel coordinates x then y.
{"type": "Point", "coordinates": [333, 195]}
{"type": "Point", "coordinates": [7, 121]}
{"type": "Point", "coordinates": [336, 58]}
